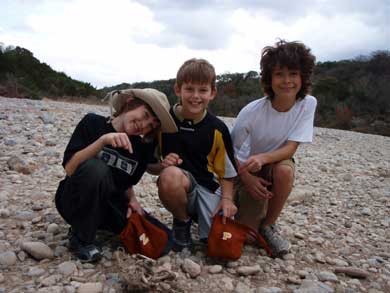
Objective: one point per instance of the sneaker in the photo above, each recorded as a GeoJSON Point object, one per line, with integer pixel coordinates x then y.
{"type": "Point", "coordinates": [181, 231]}
{"type": "Point", "coordinates": [86, 252]}
{"type": "Point", "coordinates": [279, 246]}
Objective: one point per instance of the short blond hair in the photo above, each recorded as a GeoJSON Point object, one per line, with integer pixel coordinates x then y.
{"type": "Point", "coordinates": [196, 71]}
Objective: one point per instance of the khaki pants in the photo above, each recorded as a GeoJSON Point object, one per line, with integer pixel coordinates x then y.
{"type": "Point", "coordinates": [251, 212]}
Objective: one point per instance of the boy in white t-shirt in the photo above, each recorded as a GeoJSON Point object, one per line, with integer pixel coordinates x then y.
{"type": "Point", "coordinates": [266, 135]}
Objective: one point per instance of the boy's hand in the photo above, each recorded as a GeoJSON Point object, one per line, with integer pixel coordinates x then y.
{"type": "Point", "coordinates": [171, 159]}
{"type": "Point", "coordinates": [134, 206]}
{"type": "Point", "coordinates": [228, 208]}
{"type": "Point", "coordinates": [117, 140]}
{"type": "Point", "coordinates": [253, 164]}
{"type": "Point", "coordinates": [256, 186]}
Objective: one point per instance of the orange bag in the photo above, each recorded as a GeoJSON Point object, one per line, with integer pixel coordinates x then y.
{"type": "Point", "coordinates": [226, 240]}
{"type": "Point", "coordinates": [146, 235]}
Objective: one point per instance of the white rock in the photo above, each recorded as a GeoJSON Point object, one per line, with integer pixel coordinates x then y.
{"type": "Point", "coordinates": [90, 288]}
{"type": "Point", "coordinates": [191, 267]}
{"type": "Point", "coordinates": [53, 228]}
{"type": "Point", "coordinates": [216, 269]}
{"type": "Point", "coordinates": [8, 258]}
{"type": "Point", "coordinates": [38, 250]}
{"type": "Point", "coordinates": [51, 280]}
{"type": "Point", "coordinates": [327, 277]}
{"type": "Point", "coordinates": [248, 270]}
{"type": "Point", "coordinates": [226, 284]}
{"type": "Point", "coordinates": [67, 268]}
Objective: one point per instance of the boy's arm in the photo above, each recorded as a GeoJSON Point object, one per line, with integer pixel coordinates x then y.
{"type": "Point", "coordinates": [257, 186]}
{"type": "Point", "coordinates": [171, 159]}
{"type": "Point", "coordinates": [226, 205]}
{"type": "Point", "coordinates": [256, 162]}
{"type": "Point", "coordinates": [114, 139]}
{"type": "Point", "coordinates": [83, 155]}
{"type": "Point", "coordinates": [133, 205]}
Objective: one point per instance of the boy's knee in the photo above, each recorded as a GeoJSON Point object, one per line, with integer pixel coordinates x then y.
{"type": "Point", "coordinates": [283, 173]}
{"type": "Point", "coordinates": [93, 169]}
{"type": "Point", "coordinates": [170, 179]}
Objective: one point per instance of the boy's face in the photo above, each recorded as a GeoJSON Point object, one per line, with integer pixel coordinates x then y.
{"type": "Point", "coordinates": [138, 121]}
{"type": "Point", "coordinates": [286, 83]}
{"type": "Point", "coordinates": [195, 98]}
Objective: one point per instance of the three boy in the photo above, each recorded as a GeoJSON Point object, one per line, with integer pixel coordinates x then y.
{"type": "Point", "coordinates": [199, 165]}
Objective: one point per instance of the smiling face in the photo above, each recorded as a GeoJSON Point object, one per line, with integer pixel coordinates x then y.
{"type": "Point", "coordinates": [139, 121]}
{"type": "Point", "coordinates": [286, 83]}
{"type": "Point", "coordinates": [195, 98]}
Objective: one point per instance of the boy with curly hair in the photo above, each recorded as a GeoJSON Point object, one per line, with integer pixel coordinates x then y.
{"type": "Point", "coordinates": [267, 134]}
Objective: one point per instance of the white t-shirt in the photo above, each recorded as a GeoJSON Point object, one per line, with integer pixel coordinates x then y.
{"type": "Point", "coordinates": [259, 128]}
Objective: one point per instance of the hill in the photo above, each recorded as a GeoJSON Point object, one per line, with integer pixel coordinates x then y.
{"type": "Point", "coordinates": [24, 76]}
{"type": "Point", "coordinates": [352, 94]}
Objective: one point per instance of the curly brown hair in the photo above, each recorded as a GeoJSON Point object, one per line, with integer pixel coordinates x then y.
{"type": "Point", "coordinates": [293, 55]}
{"type": "Point", "coordinates": [196, 71]}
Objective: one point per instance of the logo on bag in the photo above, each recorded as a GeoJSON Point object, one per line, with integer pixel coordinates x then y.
{"type": "Point", "coordinates": [226, 235]}
{"type": "Point", "coordinates": [144, 239]}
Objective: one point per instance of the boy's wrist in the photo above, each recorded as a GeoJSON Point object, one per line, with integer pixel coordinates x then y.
{"type": "Point", "coordinates": [227, 198]}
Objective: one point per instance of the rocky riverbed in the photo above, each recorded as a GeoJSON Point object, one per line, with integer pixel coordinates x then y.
{"type": "Point", "coordinates": [337, 219]}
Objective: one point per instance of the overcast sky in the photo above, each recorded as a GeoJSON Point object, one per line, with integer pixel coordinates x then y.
{"type": "Point", "coordinates": [109, 42]}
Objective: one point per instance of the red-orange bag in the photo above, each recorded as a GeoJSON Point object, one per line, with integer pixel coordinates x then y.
{"type": "Point", "coordinates": [146, 235]}
{"type": "Point", "coordinates": [226, 240]}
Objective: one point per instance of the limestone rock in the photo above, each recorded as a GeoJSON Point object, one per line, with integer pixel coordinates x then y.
{"type": "Point", "coordinates": [38, 250]}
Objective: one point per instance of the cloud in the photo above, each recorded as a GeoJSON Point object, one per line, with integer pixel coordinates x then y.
{"type": "Point", "coordinates": [106, 43]}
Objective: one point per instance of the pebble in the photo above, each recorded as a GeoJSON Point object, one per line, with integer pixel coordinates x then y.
{"type": "Point", "coordinates": [8, 258]}
{"type": "Point", "coordinates": [53, 228]}
{"type": "Point", "coordinates": [38, 250]}
{"type": "Point", "coordinates": [352, 272]}
{"type": "Point", "coordinates": [216, 269]}
{"type": "Point", "coordinates": [91, 288]}
{"type": "Point", "coordinates": [51, 280]}
{"type": "Point", "coordinates": [327, 277]}
{"type": "Point", "coordinates": [248, 270]}
{"type": "Point", "coordinates": [67, 268]}
{"type": "Point", "coordinates": [226, 284]}
{"type": "Point", "coordinates": [192, 268]}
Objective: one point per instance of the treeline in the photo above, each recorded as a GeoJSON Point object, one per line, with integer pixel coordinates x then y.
{"type": "Point", "coordinates": [352, 94]}
{"type": "Point", "coordinates": [24, 76]}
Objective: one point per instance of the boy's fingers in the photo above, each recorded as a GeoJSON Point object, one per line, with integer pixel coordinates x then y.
{"type": "Point", "coordinates": [224, 219]}
{"type": "Point", "coordinates": [264, 182]}
{"type": "Point", "coordinates": [129, 146]}
{"type": "Point", "coordinates": [128, 213]}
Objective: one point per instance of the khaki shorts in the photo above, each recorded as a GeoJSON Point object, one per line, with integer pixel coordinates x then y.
{"type": "Point", "coordinates": [251, 211]}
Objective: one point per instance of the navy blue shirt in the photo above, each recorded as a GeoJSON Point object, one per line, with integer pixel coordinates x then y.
{"type": "Point", "coordinates": [127, 168]}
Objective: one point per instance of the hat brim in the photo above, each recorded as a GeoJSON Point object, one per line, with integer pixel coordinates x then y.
{"type": "Point", "coordinates": [155, 99]}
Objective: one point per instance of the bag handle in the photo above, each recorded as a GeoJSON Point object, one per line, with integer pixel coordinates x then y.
{"type": "Point", "coordinates": [252, 233]}
{"type": "Point", "coordinates": [260, 239]}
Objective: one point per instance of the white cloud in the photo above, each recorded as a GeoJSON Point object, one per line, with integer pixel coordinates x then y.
{"type": "Point", "coordinates": [106, 43]}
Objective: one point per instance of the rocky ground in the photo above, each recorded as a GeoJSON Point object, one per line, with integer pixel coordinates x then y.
{"type": "Point", "coordinates": [337, 219]}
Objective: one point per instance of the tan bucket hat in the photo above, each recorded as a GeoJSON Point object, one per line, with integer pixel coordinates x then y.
{"type": "Point", "coordinates": [157, 100]}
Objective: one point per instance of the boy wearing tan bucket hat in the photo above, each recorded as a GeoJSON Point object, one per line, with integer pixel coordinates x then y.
{"type": "Point", "coordinates": [104, 159]}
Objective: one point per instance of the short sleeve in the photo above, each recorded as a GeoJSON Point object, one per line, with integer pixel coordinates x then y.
{"type": "Point", "coordinates": [78, 140]}
{"type": "Point", "coordinates": [303, 131]}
